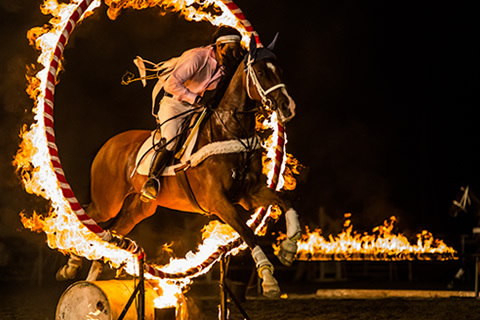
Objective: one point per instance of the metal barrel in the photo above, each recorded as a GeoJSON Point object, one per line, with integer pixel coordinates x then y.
{"type": "Point", "coordinates": [102, 300]}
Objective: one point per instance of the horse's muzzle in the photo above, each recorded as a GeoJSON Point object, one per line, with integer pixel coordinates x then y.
{"type": "Point", "coordinates": [286, 108]}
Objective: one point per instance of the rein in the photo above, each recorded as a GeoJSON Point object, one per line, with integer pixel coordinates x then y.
{"type": "Point", "coordinates": [251, 77]}
{"type": "Point", "coordinates": [234, 112]}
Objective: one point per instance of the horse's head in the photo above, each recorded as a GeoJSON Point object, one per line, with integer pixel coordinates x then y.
{"type": "Point", "coordinates": [264, 83]}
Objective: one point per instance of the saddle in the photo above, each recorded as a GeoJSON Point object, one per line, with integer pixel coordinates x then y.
{"type": "Point", "coordinates": [185, 156]}
{"type": "Point", "coordinates": [153, 142]}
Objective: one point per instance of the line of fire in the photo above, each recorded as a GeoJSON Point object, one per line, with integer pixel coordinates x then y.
{"type": "Point", "coordinates": [382, 244]}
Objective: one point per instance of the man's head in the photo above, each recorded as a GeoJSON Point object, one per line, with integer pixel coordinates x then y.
{"type": "Point", "coordinates": [228, 49]}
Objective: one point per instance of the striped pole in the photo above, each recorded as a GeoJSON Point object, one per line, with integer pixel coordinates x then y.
{"type": "Point", "coordinates": [48, 120]}
{"type": "Point", "coordinates": [241, 17]}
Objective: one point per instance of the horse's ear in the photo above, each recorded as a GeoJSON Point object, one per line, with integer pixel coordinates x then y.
{"type": "Point", "coordinates": [253, 44]}
{"type": "Point", "coordinates": [271, 46]}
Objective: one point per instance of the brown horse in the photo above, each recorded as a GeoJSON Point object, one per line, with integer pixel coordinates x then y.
{"type": "Point", "coordinates": [115, 188]}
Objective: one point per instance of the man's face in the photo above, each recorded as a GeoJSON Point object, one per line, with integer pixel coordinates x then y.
{"type": "Point", "coordinates": [228, 52]}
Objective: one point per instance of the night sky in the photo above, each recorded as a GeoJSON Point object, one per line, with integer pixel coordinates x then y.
{"type": "Point", "coordinates": [384, 92]}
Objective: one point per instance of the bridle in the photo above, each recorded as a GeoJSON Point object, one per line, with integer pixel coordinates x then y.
{"type": "Point", "coordinates": [252, 77]}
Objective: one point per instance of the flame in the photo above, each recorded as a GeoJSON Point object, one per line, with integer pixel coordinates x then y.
{"type": "Point", "coordinates": [33, 160]}
{"type": "Point", "coordinates": [290, 166]}
{"type": "Point", "coordinates": [383, 244]}
{"type": "Point", "coordinates": [269, 157]}
{"type": "Point", "coordinates": [293, 167]}
{"type": "Point", "coordinates": [214, 11]}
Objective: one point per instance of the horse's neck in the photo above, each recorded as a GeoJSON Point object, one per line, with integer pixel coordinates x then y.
{"type": "Point", "coordinates": [231, 119]}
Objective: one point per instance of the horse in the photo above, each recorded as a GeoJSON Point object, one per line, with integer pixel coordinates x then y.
{"type": "Point", "coordinates": [115, 191]}
{"type": "Point", "coordinates": [465, 208]}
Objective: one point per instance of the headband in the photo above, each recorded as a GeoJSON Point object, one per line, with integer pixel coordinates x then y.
{"type": "Point", "coordinates": [229, 38]}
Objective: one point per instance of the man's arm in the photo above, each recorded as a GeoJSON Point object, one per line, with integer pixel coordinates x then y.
{"type": "Point", "coordinates": [189, 64]}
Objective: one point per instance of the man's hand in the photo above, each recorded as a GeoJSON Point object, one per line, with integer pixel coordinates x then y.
{"type": "Point", "coordinates": [206, 98]}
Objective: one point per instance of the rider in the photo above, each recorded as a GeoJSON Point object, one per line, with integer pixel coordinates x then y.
{"type": "Point", "coordinates": [192, 83]}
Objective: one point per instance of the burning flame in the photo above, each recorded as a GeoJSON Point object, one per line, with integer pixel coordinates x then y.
{"type": "Point", "coordinates": [382, 244]}
{"type": "Point", "coordinates": [290, 166]}
{"type": "Point", "coordinates": [214, 11]}
{"type": "Point", "coordinates": [270, 154]}
{"type": "Point", "coordinates": [34, 161]}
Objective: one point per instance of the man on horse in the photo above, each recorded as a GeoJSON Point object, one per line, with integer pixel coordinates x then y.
{"type": "Point", "coordinates": [192, 84]}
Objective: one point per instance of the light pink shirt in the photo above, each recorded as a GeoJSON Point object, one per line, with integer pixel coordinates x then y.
{"type": "Point", "coordinates": [195, 72]}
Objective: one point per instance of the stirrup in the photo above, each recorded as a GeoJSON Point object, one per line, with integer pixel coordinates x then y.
{"type": "Point", "coordinates": [150, 192]}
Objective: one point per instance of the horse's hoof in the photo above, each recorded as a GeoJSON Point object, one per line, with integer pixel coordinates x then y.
{"type": "Point", "coordinates": [66, 273]}
{"type": "Point", "coordinates": [271, 293]}
{"type": "Point", "coordinates": [95, 271]}
{"type": "Point", "coordinates": [288, 250]}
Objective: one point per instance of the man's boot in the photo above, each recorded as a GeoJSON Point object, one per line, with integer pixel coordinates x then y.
{"type": "Point", "coordinates": [151, 187]}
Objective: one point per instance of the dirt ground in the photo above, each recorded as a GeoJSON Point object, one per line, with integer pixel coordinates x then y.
{"type": "Point", "coordinates": [348, 304]}
{"type": "Point", "coordinates": [20, 301]}
{"type": "Point", "coordinates": [366, 291]}
{"type": "Point", "coordinates": [360, 309]}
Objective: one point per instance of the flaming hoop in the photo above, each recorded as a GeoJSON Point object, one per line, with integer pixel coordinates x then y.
{"type": "Point", "coordinates": [67, 226]}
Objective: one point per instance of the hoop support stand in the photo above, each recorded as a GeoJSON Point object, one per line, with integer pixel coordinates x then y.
{"type": "Point", "coordinates": [225, 291]}
{"type": "Point", "coordinates": [138, 292]}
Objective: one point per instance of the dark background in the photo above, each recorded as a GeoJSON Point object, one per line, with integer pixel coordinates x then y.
{"type": "Point", "coordinates": [385, 120]}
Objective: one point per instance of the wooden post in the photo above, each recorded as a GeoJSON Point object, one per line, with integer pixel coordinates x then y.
{"type": "Point", "coordinates": [223, 312]}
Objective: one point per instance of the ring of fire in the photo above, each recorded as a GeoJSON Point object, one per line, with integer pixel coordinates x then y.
{"type": "Point", "coordinates": [43, 174]}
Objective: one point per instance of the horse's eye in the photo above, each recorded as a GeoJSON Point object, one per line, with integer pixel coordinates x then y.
{"type": "Point", "coordinates": [260, 73]}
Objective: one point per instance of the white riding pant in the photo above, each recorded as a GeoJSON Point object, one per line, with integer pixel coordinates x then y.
{"type": "Point", "coordinates": [169, 108]}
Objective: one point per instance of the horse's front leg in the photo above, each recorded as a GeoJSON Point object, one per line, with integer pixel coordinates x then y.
{"type": "Point", "coordinates": [232, 216]}
{"type": "Point", "coordinates": [270, 287]}
{"type": "Point", "coordinates": [288, 247]}
{"type": "Point", "coordinates": [264, 197]}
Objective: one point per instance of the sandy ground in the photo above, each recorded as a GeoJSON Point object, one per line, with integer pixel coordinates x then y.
{"type": "Point", "coordinates": [362, 294]}
{"type": "Point", "coordinates": [361, 309]}
{"type": "Point", "coordinates": [347, 304]}
{"type": "Point", "coordinates": [24, 301]}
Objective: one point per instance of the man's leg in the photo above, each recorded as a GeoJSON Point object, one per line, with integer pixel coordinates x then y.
{"type": "Point", "coordinates": [169, 108]}
{"type": "Point", "coordinates": [151, 187]}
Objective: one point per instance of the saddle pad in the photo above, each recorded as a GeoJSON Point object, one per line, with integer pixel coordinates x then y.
{"type": "Point", "coordinates": [145, 153]}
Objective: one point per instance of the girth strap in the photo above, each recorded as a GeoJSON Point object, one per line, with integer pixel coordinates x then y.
{"type": "Point", "coordinates": [183, 182]}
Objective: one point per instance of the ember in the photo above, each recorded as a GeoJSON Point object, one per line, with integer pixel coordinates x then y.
{"type": "Point", "coordinates": [382, 245]}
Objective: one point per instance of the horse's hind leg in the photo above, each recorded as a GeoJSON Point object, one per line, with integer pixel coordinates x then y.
{"type": "Point", "coordinates": [133, 211]}
{"type": "Point", "coordinates": [99, 210]}
{"type": "Point", "coordinates": [69, 271]}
